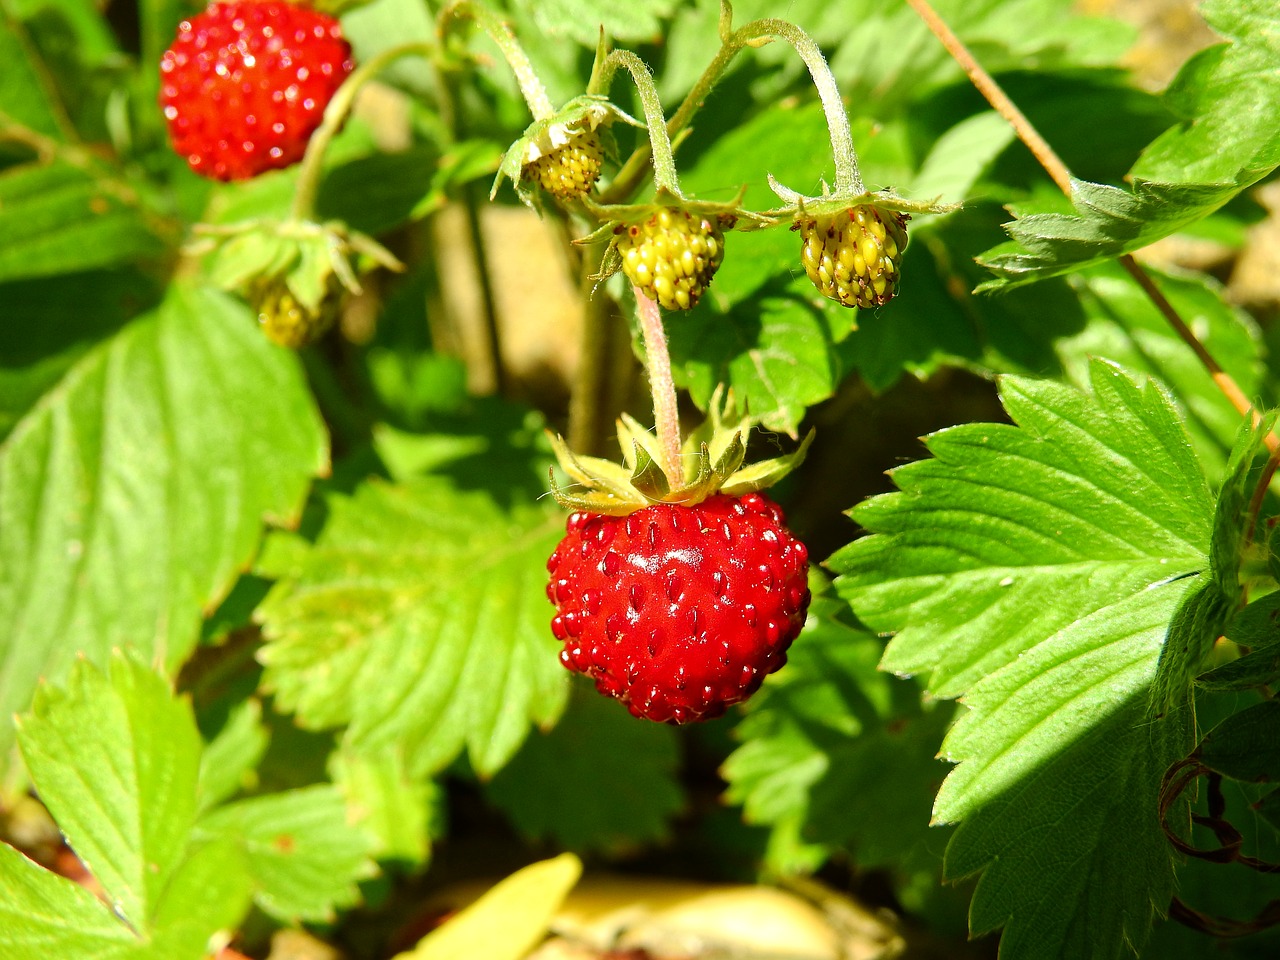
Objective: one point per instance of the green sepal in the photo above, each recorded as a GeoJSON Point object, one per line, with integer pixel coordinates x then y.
{"type": "Point", "coordinates": [711, 462]}
{"type": "Point", "coordinates": [581, 114]}
{"type": "Point", "coordinates": [798, 206]}
{"type": "Point", "coordinates": [311, 259]}
{"type": "Point", "coordinates": [760, 476]}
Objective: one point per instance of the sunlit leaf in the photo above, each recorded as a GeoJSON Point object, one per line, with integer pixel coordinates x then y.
{"type": "Point", "coordinates": [1036, 568]}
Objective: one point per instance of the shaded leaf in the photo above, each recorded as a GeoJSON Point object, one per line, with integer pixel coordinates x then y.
{"type": "Point", "coordinates": [403, 813]}
{"type": "Point", "coordinates": [302, 852]}
{"type": "Point", "coordinates": [27, 100]}
{"type": "Point", "coordinates": [837, 748]}
{"type": "Point", "coordinates": [59, 218]}
{"type": "Point", "coordinates": [131, 497]}
{"type": "Point", "coordinates": [1246, 746]}
{"type": "Point", "coordinates": [598, 781]}
{"type": "Point", "coordinates": [228, 760]}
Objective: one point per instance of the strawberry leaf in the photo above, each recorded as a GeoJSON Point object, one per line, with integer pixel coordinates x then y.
{"type": "Point", "coordinates": [1037, 569]}
{"type": "Point", "coordinates": [118, 751]}
{"type": "Point", "coordinates": [1225, 143]}
{"type": "Point", "coordinates": [402, 813]}
{"type": "Point", "coordinates": [60, 218]}
{"type": "Point", "coordinates": [303, 854]}
{"type": "Point", "coordinates": [131, 496]}
{"type": "Point", "coordinates": [598, 781]}
{"type": "Point", "coordinates": [1121, 324]}
{"type": "Point", "coordinates": [28, 100]}
{"type": "Point", "coordinates": [44, 915]}
{"type": "Point", "coordinates": [419, 619]}
{"type": "Point", "coordinates": [838, 748]}
{"type": "Point", "coordinates": [115, 758]}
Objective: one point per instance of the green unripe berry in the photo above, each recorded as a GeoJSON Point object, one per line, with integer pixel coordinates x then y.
{"type": "Point", "coordinates": [671, 255]}
{"type": "Point", "coordinates": [854, 256]}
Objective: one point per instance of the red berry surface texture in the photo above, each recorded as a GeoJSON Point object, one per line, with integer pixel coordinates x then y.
{"type": "Point", "coordinates": [679, 611]}
{"type": "Point", "coordinates": [244, 85]}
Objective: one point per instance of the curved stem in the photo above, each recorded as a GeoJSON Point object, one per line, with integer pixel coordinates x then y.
{"type": "Point", "coordinates": [666, 414]}
{"type": "Point", "coordinates": [535, 94]}
{"type": "Point", "coordinates": [664, 164]}
{"type": "Point", "coordinates": [335, 114]}
{"type": "Point", "coordinates": [848, 177]}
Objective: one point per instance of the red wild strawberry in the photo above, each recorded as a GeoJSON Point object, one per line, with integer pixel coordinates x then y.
{"type": "Point", "coordinates": [245, 84]}
{"type": "Point", "coordinates": [679, 611]}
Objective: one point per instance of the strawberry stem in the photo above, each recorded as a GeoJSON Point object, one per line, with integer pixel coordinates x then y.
{"type": "Point", "coordinates": [848, 177]}
{"type": "Point", "coordinates": [665, 178]}
{"type": "Point", "coordinates": [535, 94]}
{"type": "Point", "coordinates": [666, 412]}
{"type": "Point", "coordinates": [335, 115]}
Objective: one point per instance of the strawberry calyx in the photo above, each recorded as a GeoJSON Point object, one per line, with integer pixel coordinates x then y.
{"type": "Point", "coordinates": [291, 268]}
{"type": "Point", "coordinates": [712, 461]}
{"type": "Point", "coordinates": [577, 121]}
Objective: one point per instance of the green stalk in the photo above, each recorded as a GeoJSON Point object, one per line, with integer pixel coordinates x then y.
{"type": "Point", "coordinates": [665, 177]}
{"type": "Point", "coordinates": [666, 413]}
{"type": "Point", "coordinates": [535, 94]}
{"type": "Point", "coordinates": [848, 177]}
{"type": "Point", "coordinates": [335, 115]}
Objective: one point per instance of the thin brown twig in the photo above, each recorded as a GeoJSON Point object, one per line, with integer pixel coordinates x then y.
{"type": "Point", "coordinates": [1061, 175]}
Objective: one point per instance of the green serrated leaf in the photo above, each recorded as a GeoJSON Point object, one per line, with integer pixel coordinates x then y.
{"type": "Point", "coordinates": [1224, 145]}
{"type": "Point", "coordinates": [116, 760]}
{"type": "Point", "coordinates": [132, 496]}
{"type": "Point", "coordinates": [44, 915]}
{"type": "Point", "coordinates": [303, 854]}
{"type": "Point", "coordinates": [420, 619]}
{"type": "Point", "coordinates": [598, 781]}
{"type": "Point", "coordinates": [228, 760]}
{"type": "Point", "coordinates": [1225, 96]}
{"type": "Point", "coordinates": [1245, 746]}
{"type": "Point", "coordinates": [1036, 569]}
{"type": "Point", "coordinates": [1107, 222]}
{"type": "Point", "coordinates": [836, 750]}
{"type": "Point", "coordinates": [403, 813]}
{"type": "Point", "coordinates": [1121, 324]}
{"type": "Point", "coordinates": [508, 920]}
{"type": "Point", "coordinates": [60, 218]}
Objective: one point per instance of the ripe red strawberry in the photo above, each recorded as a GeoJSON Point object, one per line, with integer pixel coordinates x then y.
{"type": "Point", "coordinates": [245, 84]}
{"type": "Point", "coordinates": [679, 611]}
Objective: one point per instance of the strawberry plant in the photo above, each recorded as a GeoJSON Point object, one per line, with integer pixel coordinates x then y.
{"type": "Point", "coordinates": [364, 364]}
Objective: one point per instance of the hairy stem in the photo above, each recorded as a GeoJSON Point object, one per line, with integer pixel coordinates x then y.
{"type": "Point", "coordinates": [1061, 176]}
{"type": "Point", "coordinates": [666, 415]}
{"type": "Point", "coordinates": [587, 411]}
{"type": "Point", "coordinates": [665, 177]}
{"type": "Point", "coordinates": [335, 115]}
{"type": "Point", "coordinates": [633, 170]}
{"type": "Point", "coordinates": [535, 94]}
{"type": "Point", "coordinates": [848, 177]}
